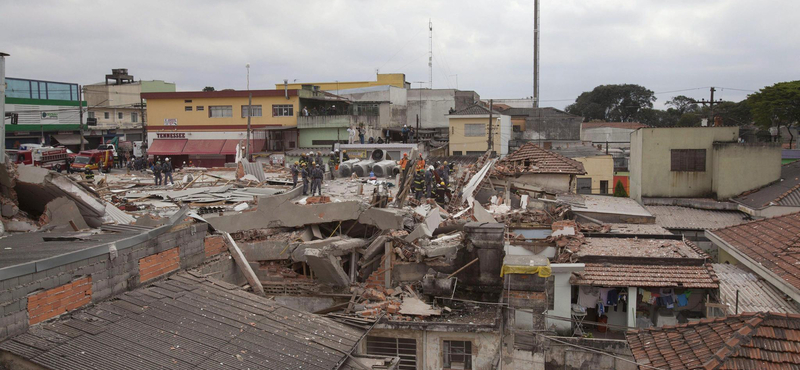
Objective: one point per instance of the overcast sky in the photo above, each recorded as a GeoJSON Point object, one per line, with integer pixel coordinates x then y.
{"type": "Point", "coordinates": [662, 45]}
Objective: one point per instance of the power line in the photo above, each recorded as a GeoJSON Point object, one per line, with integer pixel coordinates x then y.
{"type": "Point", "coordinates": [589, 349]}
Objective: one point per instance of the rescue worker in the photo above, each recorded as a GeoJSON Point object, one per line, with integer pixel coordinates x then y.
{"type": "Point", "coordinates": [419, 184]}
{"type": "Point", "coordinates": [316, 176]}
{"type": "Point", "coordinates": [441, 191]}
{"type": "Point", "coordinates": [311, 174]}
{"type": "Point", "coordinates": [303, 160]}
{"type": "Point", "coordinates": [167, 169]}
{"type": "Point", "coordinates": [318, 159]}
{"type": "Point", "coordinates": [443, 174]}
{"type": "Point", "coordinates": [420, 163]}
{"type": "Point", "coordinates": [452, 166]}
{"type": "Point", "coordinates": [157, 172]}
{"type": "Point", "coordinates": [88, 175]}
{"type": "Point", "coordinates": [403, 162]}
{"type": "Point", "coordinates": [345, 157]}
{"type": "Point", "coordinates": [447, 171]}
{"type": "Point", "coordinates": [332, 164]}
{"type": "Point", "coordinates": [430, 182]}
{"type": "Point", "coordinates": [304, 174]}
{"type": "Point", "coordinates": [295, 172]}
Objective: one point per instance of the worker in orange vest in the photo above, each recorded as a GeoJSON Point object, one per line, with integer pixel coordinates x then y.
{"type": "Point", "coordinates": [420, 163]}
{"type": "Point", "coordinates": [403, 162]}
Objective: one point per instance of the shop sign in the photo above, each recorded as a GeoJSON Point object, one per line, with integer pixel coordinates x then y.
{"type": "Point", "coordinates": [171, 135]}
{"type": "Point", "coordinates": [170, 121]}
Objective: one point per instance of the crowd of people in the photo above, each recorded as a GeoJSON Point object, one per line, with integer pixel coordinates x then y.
{"type": "Point", "coordinates": [310, 168]}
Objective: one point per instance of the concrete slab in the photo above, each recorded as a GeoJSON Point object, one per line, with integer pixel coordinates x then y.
{"type": "Point", "coordinates": [326, 267]}
{"type": "Point", "coordinates": [481, 214]}
{"type": "Point", "coordinates": [419, 232]}
{"type": "Point", "coordinates": [433, 219]}
{"type": "Point", "coordinates": [383, 218]}
{"type": "Point", "coordinates": [9, 210]}
{"type": "Point", "coordinates": [36, 186]}
{"type": "Point", "coordinates": [267, 250]}
{"type": "Point", "coordinates": [336, 246]}
{"type": "Point", "coordinates": [59, 212]}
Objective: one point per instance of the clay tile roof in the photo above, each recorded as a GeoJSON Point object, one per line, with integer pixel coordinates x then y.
{"type": "Point", "coordinates": [542, 161]}
{"type": "Point", "coordinates": [774, 243]}
{"type": "Point", "coordinates": [624, 275]}
{"type": "Point", "coordinates": [625, 125]}
{"type": "Point", "coordinates": [747, 341]}
{"type": "Point", "coordinates": [473, 110]}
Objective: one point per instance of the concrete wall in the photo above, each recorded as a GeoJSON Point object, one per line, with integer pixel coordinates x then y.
{"type": "Point", "coordinates": [650, 164]}
{"type": "Point", "coordinates": [501, 133]}
{"type": "Point", "coordinates": [485, 346]}
{"type": "Point", "coordinates": [610, 134]}
{"type": "Point", "coordinates": [393, 79]}
{"type": "Point", "coordinates": [598, 168]}
{"type": "Point", "coordinates": [435, 105]}
{"type": "Point", "coordinates": [562, 297]}
{"type": "Point", "coordinates": [542, 182]}
{"type": "Point", "coordinates": [563, 356]}
{"type": "Point", "coordinates": [742, 167]}
{"type": "Point", "coordinates": [110, 273]}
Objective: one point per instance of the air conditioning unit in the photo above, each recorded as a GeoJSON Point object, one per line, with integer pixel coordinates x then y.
{"type": "Point", "coordinates": [91, 122]}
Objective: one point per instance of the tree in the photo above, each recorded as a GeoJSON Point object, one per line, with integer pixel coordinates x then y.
{"type": "Point", "coordinates": [776, 105]}
{"type": "Point", "coordinates": [613, 103]}
{"type": "Point", "coordinates": [690, 120]}
{"type": "Point", "coordinates": [619, 190]}
{"type": "Point", "coordinates": [209, 88]}
{"type": "Point", "coordinates": [683, 104]}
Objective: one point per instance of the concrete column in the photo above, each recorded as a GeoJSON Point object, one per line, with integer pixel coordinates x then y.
{"type": "Point", "coordinates": [632, 306]}
{"type": "Point", "coordinates": [387, 264]}
{"type": "Point", "coordinates": [562, 296]}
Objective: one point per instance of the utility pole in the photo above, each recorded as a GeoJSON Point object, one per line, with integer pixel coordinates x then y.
{"type": "Point", "coordinates": [80, 113]}
{"type": "Point", "coordinates": [430, 55]}
{"type": "Point", "coordinates": [249, 104]}
{"type": "Point", "coordinates": [536, 54]}
{"type": "Point", "coordinates": [144, 126]}
{"type": "Point", "coordinates": [491, 106]}
{"type": "Point", "coordinates": [3, 107]}
{"type": "Point", "coordinates": [710, 104]}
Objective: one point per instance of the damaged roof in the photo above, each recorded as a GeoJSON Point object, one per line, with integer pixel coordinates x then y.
{"type": "Point", "coordinates": [636, 247]}
{"type": "Point", "coordinates": [753, 293]}
{"type": "Point", "coordinates": [543, 161]}
{"type": "Point", "coordinates": [747, 341]}
{"type": "Point", "coordinates": [784, 192]}
{"type": "Point", "coordinates": [187, 322]}
{"type": "Point", "coordinates": [773, 243]}
{"type": "Point", "coordinates": [624, 275]}
{"type": "Point", "coordinates": [687, 218]}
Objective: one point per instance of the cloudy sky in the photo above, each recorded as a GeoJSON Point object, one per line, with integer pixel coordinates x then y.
{"type": "Point", "coordinates": [666, 46]}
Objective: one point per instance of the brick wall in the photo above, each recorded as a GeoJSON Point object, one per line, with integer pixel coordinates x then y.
{"type": "Point", "coordinates": [108, 274]}
{"type": "Point", "coordinates": [215, 245]}
{"type": "Point", "coordinates": [159, 264]}
{"type": "Point", "coordinates": [53, 302]}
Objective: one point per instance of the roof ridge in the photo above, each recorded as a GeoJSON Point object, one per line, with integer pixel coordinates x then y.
{"type": "Point", "coordinates": [741, 336]}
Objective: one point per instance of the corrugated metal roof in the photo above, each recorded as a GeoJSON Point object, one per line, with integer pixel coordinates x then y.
{"type": "Point", "coordinates": [676, 217]}
{"type": "Point", "coordinates": [755, 294]}
{"type": "Point", "coordinates": [118, 215]}
{"type": "Point", "coordinates": [186, 323]}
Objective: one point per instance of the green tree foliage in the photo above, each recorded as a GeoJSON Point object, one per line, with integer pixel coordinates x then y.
{"type": "Point", "coordinates": [613, 103]}
{"type": "Point", "coordinates": [776, 105]}
{"type": "Point", "coordinates": [209, 88]}
{"type": "Point", "coordinates": [683, 104]}
{"type": "Point", "coordinates": [619, 190]}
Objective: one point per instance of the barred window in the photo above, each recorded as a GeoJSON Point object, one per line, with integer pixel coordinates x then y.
{"type": "Point", "coordinates": [693, 160]}
{"type": "Point", "coordinates": [256, 109]}
{"type": "Point", "coordinates": [457, 354]}
{"type": "Point", "coordinates": [474, 130]}
{"type": "Point", "coordinates": [282, 110]}
{"type": "Point", "coordinates": [220, 111]}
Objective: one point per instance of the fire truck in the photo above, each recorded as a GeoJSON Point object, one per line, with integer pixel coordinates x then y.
{"type": "Point", "coordinates": [93, 160]}
{"type": "Point", "coordinates": [45, 157]}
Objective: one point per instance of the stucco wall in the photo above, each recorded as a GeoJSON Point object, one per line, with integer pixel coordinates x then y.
{"type": "Point", "coordinates": [742, 167]}
{"type": "Point", "coordinates": [606, 134]}
{"type": "Point", "coordinates": [599, 168]}
{"type": "Point", "coordinates": [650, 165]}
{"type": "Point", "coordinates": [160, 109]}
{"type": "Point", "coordinates": [549, 182]}
{"type": "Point", "coordinates": [485, 346]}
{"type": "Point", "coordinates": [435, 106]}
{"type": "Point", "coordinates": [464, 144]}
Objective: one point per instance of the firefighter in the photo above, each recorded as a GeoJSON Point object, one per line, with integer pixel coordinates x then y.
{"type": "Point", "coordinates": [157, 172]}
{"type": "Point", "coordinates": [316, 176]}
{"type": "Point", "coordinates": [420, 163]}
{"type": "Point", "coordinates": [441, 191]}
{"type": "Point", "coordinates": [88, 175]}
{"type": "Point", "coordinates": [295, 171]}
{"type": "Point", "coordinates": [303, 160]}
{"type": "Point", "coordinates": [318, 159]}
{"type": "Point", "coordinates": [430, 182]}
{"type": "Point", "coordinates": [419, 184]}
{"type": "Point", "coordinates": [345, 157]}
{"type": "Point", "coordinates": [332, 164]}
{"type": "Point", "coordinates": [304, 174]}
{"type": "Point", "coordinates": [403, 162]}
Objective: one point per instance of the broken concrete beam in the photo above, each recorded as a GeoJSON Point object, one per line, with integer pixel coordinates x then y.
{"type": "Point", "coordinates": [326, 267]}
{"type": "Point", "coordinates": [336, 246]}
{"type": "Point", "coordinates": [383, 218]}
{"type": "Point", "coordinates": [433, 219]}
{"type": "Point", "coordinates": [36, 186]}
{"type": "Point", "coordinates": [374, 249]}
{"type": "Point", "coordinates": [241, 261]}
{"type": "Point", "coordinates": [481, 214]}
{"type": "Point", "coordinates": [419, 232]}
{"type": "Point", "coordinates": [62, 214]}
{"type": "Point", "coordinates": [267, 250]}
{"type": "Point", "coordinates": [267, 214]}
{"type": "Point", "coordinates": [447, 251]}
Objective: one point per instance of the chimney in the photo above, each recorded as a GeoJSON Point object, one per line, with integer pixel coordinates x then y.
{"type": "Point", "coordinates": [286, 88]}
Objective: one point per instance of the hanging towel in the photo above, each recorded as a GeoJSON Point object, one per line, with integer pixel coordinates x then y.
{"type": "Point", "coordinates": [588, 296]}
{"type": "Point", "coordinates": [611, 297]}
{"type": "Point", "coordinates": [646, 296]}
{"type": "Point", "coordinates": [668, 302]}
{"type": "Point", "coordinates": [600, 309]}
{"type": "Point", "coordinates": [682, 300]}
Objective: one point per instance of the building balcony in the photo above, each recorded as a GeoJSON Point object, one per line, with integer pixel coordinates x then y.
{"type": "Point", "coordinates": [338, 121]}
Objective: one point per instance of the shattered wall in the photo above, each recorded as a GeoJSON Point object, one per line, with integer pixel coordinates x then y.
{"type": "Point", "coordinates": [485, 346]}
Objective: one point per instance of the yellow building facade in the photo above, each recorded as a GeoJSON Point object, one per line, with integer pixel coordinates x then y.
{"type": "Point", "coordinates": [383, 79]}
{"type": "Point", "coordinates": [469, 131]}
{"type": "Point", "coordinates": [600, 169]}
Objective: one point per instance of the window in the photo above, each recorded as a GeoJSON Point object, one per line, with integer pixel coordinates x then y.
{"type": "Point", "coordinates": [585, 185]}
{"type": "Point", "coordinates": [220, 111]}
{"type": "Point", "coordinates": [452, 130]}
{"type": "Point", "coordinates": [200, 108]}
{"type": "Point", "coordinates": [255, 108]}
{"type": "Point", "coordinates": [693, 160]}
{"type": "Point", "coordinates": [106, 115]}
{"type": "Point", "coordinates": [404, 348]}
{"type": "Point", "coordinates": [603, 186]}
{"type": "Point", "coordinates": [457, 354]}
{"type": "Point", "coordinates": [474, 130]}
{"type": "Point", "coordinates": [517, 128]}
{"type": "Point", "coordinates": [119, 115]}
{"type": "Point", "coordinates": [187, 101]}
{"type": "Point", "coordinates": [456, 152]}
{"type": "Point", "coordinates": [187, 108]}
{"type": "Point", "coordinates": [283, 110]}
{"type": "Point", "coordinates": [91, 115]}
{"type": "Point", "coordinates": [134, 117]}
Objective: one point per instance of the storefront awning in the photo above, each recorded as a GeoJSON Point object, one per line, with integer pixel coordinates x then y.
{"type": "Point", "coordinates": [256, 145]}
{"type": "Point", "coordinates": [69, 139]}
{"type": "Point", "coordinates": [213, 146]}
{"type": "Point", "coordinates": [167, 147]}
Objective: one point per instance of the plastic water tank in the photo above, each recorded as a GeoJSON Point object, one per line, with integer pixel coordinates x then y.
{"type": "Point", "coordinates": [346, 168]}
{"type": "Point", "coordinates": [384, 168]}
{"type": "Point", "coordinates": [362, 168]}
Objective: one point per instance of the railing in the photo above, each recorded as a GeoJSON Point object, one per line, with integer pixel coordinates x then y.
{"type": "Point", "coordinates": [305, 122]}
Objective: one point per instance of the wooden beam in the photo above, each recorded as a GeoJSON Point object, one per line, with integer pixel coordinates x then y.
{"type": "Point", "coordinates": [248, 272]}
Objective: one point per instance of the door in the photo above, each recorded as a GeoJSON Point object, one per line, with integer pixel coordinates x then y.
{"type": "Point", "coordinates": [603, 186]}
{"type": "Point", "coordinates": [585, 186]}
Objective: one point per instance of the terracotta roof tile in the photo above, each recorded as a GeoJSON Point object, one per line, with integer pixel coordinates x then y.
{"type": "Point", "coordinates": [530, 158]}
{"type": "Point", "coordinates": [747, 341]}
{"type": "Point", "coordinates": [623, 275]}
{"type": "Point", "coordinates": [773, 242]}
